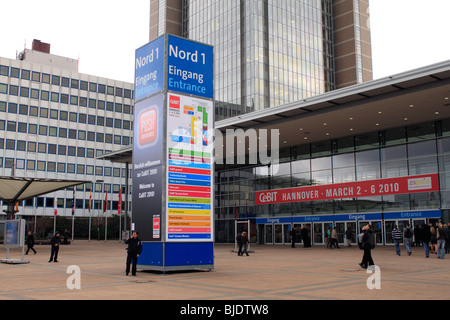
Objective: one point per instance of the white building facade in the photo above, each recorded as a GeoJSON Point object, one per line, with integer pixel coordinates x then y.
{"type": "Point", "coordinates": [54, 123]}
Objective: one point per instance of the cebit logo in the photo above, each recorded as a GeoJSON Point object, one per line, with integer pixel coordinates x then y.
{"type": "Point", "coordinates": [268, 197]}
{"type": "Point", "coordinates": [174, 102]}
{"type": "Point", "coordinates": [148, 127]}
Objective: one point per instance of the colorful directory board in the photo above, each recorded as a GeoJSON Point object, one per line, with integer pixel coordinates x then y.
{"type": "Point", "coordinates": [190, 124]}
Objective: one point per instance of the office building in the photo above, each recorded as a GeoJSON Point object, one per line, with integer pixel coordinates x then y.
{"type": "Point", "coordinates": [269, 53]}
{"type": "Point", "coordinates": [55, 122]}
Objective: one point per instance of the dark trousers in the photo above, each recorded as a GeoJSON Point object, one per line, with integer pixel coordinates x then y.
{"type": "Point", "coordinates": [131, 258]}
{"type": "Point", "coordinates": [54, 254]}
{"type": "Point", "coordinates": [240, 253]}
{"type": "Point", "coordinates": [30, 248]}
{"type": "Point", "coordinates": [367, 259]}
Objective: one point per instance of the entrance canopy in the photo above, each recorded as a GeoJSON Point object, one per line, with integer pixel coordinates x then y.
{"type": "Point", "coordinates": [13, 189]}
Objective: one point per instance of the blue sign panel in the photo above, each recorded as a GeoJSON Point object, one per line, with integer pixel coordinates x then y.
{"type": "Point", "coordinates": [413, 214]}
{"type": "Point", "coordinates": [149, 69]}
{"type": "Point", "coordinates": [190, 67]}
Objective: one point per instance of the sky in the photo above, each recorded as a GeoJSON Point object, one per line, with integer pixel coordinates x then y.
{"type": "Point", "coordinates": [104, 34]}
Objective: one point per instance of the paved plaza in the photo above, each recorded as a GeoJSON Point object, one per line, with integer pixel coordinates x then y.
{"type": "Point", "coordinates": [269, 273]}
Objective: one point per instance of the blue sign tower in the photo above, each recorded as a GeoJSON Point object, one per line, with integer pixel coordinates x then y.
{"type": "Point", "coordinates": [173, 152]}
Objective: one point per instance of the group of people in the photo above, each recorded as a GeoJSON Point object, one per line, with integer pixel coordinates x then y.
{"type": "Point", "coordinates": [303, 235]}
{"type": "Point", "coordinates": [134, 249]}
{"type": "Point", "coordinates": [434, 239]}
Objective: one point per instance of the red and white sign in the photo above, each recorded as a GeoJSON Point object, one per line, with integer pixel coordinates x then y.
{"type": "Point", "coordinates": [380, 187]}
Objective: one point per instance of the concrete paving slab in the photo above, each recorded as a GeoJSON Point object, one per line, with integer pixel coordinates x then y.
{"type": "Point", "coordinates": [270, 273]}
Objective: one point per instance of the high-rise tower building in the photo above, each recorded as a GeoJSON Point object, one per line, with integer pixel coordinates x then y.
{"type": "Point", "coordinates": [272, 52]}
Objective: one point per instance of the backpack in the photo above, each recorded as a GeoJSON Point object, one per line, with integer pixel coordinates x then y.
{"type": "Point", "coordinates": [408, 233]}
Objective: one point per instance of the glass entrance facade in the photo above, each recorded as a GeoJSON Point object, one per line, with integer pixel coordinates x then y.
{"type": "Point", "coordinates": [398, 152]}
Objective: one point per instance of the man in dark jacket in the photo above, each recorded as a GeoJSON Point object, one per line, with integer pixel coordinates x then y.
{"type": "Point", "coordinates": [30, 242]}
{"type": "Point", "coordinates": [54, 243]}
{"type": "Point", "coordinates": [134, 250]}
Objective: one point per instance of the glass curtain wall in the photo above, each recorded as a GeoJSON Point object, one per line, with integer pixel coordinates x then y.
{"type": "Point", "coordinates": [267, 52]}
{"type": "Point", "coordinates": [413, 150]}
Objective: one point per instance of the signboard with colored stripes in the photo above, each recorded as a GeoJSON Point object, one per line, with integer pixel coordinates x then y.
{"type": "Point", "coordinates": [189, 169]}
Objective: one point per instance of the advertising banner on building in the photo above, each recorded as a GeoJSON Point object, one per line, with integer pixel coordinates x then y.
{"type": "Point", "coordinates": [148, 166]}
{"type": "Point", "coordinates": [357, 189]}
{"type": "Point", "coordinates": [190, 168]}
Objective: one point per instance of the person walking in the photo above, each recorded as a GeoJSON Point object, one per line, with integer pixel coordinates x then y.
{"type": "Point", "coordinates": [440, 238]}
{"type": "Point", "coordinates": [245, 243]}
{"type": "Point", "coordinates": [293, 237]}
{"type": "Point", "coordinates": [133, 251]}
{"type": "Point", "coordinates": [54, 243]}
{"type": "Point", "coordinates": [366, 245]}
{"type": "Point", "coordinates": [348, 237]}
{"type": "Point", "coordinates": [240, 243]}
{"type": "Point", "coordinates": [426, 238]}
{"type": "Point", "coordinates": [433, 240]}
{"type": "Point", "coordinates": [30, 242]}
{"type": "Point", "coordinates": [408, 234]}
{"type": "Point", "coordinates": [334, 239]}
{"type": "Point", "coordinates": [397, 236]}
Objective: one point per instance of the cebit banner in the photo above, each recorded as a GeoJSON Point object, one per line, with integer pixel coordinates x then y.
{"type": "Point", "coordinates": [380, 187]}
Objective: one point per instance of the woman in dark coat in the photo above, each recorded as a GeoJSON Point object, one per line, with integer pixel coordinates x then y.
{"type": "Point", "coordinates": [367, 247]}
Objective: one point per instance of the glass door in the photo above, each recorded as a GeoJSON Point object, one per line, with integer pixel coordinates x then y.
{"type": "Point", "coordinates": [318, 233]}
{"type": "Point", "coordinates": [278, 233]}
{"type": "Point", "coordinates": [352, 227]}
{"type": "Point", "coordinates": [388, 226]}
{"type": "Point", "coordinates": [268, 232]}
{"type": "Point", "coordinates": [340, 228]}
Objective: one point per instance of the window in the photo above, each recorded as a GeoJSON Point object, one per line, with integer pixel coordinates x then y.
{"type": "Point", "coordinates": [13, 90]}
{"type": "Point", "coordinates": [3, 88]}
{"type": "Point", "coordinates": [31, 165]}
{"type": "Point", "coordinates": [45, 95]}
{"type": "Point", "coordinates": [43, 130]}
{"type": "Point", "coordinates": [36, 76]}
{"type": "Point", "coordinates": [31, 146]}
{"type": "Point", "coordinates": [74, 83]}
{"type": "Point", "coordinates": [41, 165]}
{"type": "Point", "coordinates": [42, 147]}
{"type": "Point", "coordinates": [33, 111]}
{"type": "Point", "coordinates": [92, 87]}
{"type": "Point", "coordinates": [56, 80]}
{"type": "Point", "coordinates": [74, 100]}
{"type": "Point", "coordinates": [4, 70]}
{"type": "Point", "coordinates": [53, 114]}
{"type": "Point", "coordinates": [12, 107]}
{"type": "Point", "coordinates": [14, 72]}
{"type": "Point", "coordinates": [62, 150]}
{"type": "Point", "coordinates": [83, 85]}
{"type": "Point", "coordinates": [62, 132]}
{"type": "Point", "coordinates": [45, 78]}
{"type": "Point", "coordinates": [22, 127]}
{"type": "Point", "coordinates": [24, 92]}
{"type": "Point", "coordinates": [63, 115]}
{"type": "Point", "coordinates": [11, 126]}
{"type": "Point", "coordinates": [32, 128]}
{"type": "Point", "coordinates": [10, 144]}
{"type": "Point", "coordinates": [43, 112]}
{"type": "Point", "coordinates": [34, 94]}
{"type": "Point", "coordinates": [21, 145]}
{"type": "Point", "coordinates": [55, 97]}
{"type": "Point", "coordinates": [25, 74]}
{"type": "Point", "coordinates": [71, 151]}
{"type": "Point", "coordinates": [65, 82]}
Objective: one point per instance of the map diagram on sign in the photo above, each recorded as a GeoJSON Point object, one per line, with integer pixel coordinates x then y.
{"type": "Point", "coordinates": [191, 118]}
